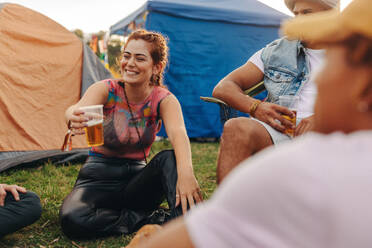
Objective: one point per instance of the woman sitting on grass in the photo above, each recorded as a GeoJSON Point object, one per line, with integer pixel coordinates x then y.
{"type": "Point", "coordinates": [116, 191]}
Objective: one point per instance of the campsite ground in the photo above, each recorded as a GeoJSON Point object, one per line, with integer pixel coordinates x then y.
{"type": "Point", "coordinates": [53, 183]}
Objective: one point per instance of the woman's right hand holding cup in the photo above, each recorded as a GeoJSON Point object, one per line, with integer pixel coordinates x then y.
{"type": "Point", "coordinates": [77, 122]}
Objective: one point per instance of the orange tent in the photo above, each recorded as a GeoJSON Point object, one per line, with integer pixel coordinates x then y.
{"type": "Point", "coordinates": [44, 68]}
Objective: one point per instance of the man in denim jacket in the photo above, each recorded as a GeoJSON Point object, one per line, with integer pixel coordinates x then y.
{"type": "Point", "coordinates": [286, 67]}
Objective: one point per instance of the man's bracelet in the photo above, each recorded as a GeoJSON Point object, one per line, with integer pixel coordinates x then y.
{"type": "Point", "coordinates": [254, 107]}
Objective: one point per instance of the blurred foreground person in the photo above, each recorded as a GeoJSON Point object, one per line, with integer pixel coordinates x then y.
{"type": "Point", "coordinates": [18, 208]}
{"type": "Point", "coordinates": [285, 67]}
{"type": "Point", "coordinates": [117, 191]}
{"type": "Point", "coordinates": [314, 191]}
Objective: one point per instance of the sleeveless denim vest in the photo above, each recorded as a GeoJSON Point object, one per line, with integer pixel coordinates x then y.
{"type": "Point", "coordinates": [286, 68]}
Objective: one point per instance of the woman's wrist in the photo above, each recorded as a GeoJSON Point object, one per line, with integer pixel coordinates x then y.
{"type": "Point", "coordinates": [185, 171]}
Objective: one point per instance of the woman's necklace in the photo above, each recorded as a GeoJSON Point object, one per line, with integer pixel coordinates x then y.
{"type": "Point", "coordinates": [135, 121]}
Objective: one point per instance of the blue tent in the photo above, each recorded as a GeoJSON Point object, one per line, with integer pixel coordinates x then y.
{"type": "Point", "coordinates": [207, 40]}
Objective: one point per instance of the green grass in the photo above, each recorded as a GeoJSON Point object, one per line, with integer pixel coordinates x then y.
{"type": "Point", "coordinates": [52, 183]}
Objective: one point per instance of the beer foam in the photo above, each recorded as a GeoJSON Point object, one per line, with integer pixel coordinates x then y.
{"type": "Point", "coordinates": [94, 122]}
{"type": "Point", "coordinates": [92, 107]}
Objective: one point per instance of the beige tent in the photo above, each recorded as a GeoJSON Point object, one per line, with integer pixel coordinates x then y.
{"type": "Point", "coordinates": [44, 68]}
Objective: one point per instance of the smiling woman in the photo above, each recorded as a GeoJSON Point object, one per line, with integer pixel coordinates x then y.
{"type": "Point", "coordinates": [117, 191]}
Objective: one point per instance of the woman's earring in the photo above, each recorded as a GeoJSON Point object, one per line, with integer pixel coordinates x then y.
{"type": "Point", "coordinates": [154, 79]}
{"type": "Point", "coordinates": [362, 107]}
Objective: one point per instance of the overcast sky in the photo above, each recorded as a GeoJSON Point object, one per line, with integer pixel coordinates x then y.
{"type": "Point", "coordinates": [94, 15]}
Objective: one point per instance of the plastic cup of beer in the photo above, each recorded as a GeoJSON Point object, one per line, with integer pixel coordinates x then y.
{"type": "Point", "coordinates": [290, 102]}
{"type": "Point", "coordinates": [94, 128]}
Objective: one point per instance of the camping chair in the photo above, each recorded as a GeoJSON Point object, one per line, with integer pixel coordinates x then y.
{"type": "Point", "coordinates": [226, 111]}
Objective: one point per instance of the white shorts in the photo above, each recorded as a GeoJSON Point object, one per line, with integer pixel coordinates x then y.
{"type": "Point", "coordinates": [276, 136]}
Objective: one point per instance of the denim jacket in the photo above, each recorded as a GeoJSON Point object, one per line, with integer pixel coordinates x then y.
{"type": "Point", "coordinates": [286, 68]}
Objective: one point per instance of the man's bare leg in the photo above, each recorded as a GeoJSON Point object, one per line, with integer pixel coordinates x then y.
{"type": "Point", "coordinates": [241, 138]}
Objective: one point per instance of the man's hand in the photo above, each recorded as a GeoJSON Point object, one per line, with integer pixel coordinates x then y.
{"type": "Point", "coordinates": [14, 189]}
{"type": "Point", "coordinates": [272, 114]}
{"type": "Point", "coordinates": [306, 124]}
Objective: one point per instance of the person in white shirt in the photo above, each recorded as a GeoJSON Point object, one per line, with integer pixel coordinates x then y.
{"type": "Point", "coordinates": [286, 68]}
{"type": "Point", "coordinates": [314, 191]}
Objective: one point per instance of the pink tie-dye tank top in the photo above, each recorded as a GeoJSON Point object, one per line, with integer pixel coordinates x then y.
{"type": "Point", "coordinates": [120, 135]}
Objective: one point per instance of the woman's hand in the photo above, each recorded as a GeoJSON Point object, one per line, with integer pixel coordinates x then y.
{"type": "Point", "coordinates": [272, 114]}
{"type": "Point", "coordinates": [77, 122]}
{"type": "Point", "coordinates": [187, 191]}
{"type": "Point", "coordinates": [96, 94]}
{"type": "Point", "coordinates": [304, 126]}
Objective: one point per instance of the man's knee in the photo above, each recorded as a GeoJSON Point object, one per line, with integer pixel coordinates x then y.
{"type": "Point", "coordinates": [244, 136]}
{"type": "Point", "coordinates": [239, 130]}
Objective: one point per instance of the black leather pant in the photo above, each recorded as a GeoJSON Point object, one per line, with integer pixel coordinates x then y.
{"type": "Point", "coordinates": [114, 196]}
{"type": "Point", "coordinates": [17, 214]}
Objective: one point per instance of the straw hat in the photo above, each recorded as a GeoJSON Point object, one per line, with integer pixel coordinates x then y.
{"type": "Point", "coordinates": [332, 26]}
{"type": "Point", "coordinates": [329, 3]}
